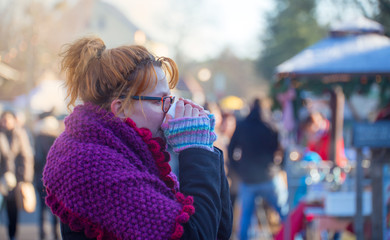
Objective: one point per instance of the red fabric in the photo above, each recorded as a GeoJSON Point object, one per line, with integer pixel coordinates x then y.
{"type": "Point", "coordinates": [322, 146]}
{"type": "Point", "coordinates": [384, 114]}
{"type": "Point", "coordinates": [296, 218]}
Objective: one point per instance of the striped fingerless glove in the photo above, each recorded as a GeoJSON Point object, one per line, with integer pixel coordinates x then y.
{"type": "Point", "coordinates": [190, 132]}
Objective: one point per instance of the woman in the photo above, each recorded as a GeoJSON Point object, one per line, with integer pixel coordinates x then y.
{"type": "Point", "coordinates": [251, 153]}
{"type": "Point", "coordinates": [318, 138]}
{"type": "Point", "coordinates": [107, 175]}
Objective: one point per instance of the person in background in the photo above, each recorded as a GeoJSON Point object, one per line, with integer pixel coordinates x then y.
{"type": "Point", "coordinates": [318, 137]}
{"type": "Point", "coordinates": [107, 175]}
{"type": "Point", "coordinates": [17, 164]}
{"type": "Point", "coordinates": [251, 153]}
{"type": "Point", "coordinates": [47, 130]}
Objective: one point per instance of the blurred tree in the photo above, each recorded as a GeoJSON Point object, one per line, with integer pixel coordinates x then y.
{"type": "Point", "coordinates": [23, 44]}
{"type": "Point", "coordinates": [291, 28]}
{"type": "Point", "coordinates": [378, 10]}
{"type": "Point", "coordinates": [383, 15]}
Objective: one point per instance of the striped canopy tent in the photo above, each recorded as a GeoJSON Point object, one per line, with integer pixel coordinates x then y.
{"type": "Point", "coordinates": [352, 57]}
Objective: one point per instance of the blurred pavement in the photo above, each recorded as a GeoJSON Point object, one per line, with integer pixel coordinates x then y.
{"type": "Point", "coordinates": [27, 226]}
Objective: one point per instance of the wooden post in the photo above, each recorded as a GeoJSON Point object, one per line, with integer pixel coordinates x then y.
{"type": "Point", "coordinates": [337, 101]}
{"type": "Point", "coordinates": [358, 223]}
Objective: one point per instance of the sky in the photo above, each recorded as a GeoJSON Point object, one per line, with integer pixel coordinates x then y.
{"type": "Point", "coordinates": [204, 28]}
{"type": "Point", "coordinates": [201, 28]}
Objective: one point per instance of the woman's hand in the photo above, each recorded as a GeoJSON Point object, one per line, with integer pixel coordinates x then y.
{"type": "Point", "coordinates": [187, 108]}
{"type": "Point", "coordinates": [192, 127]}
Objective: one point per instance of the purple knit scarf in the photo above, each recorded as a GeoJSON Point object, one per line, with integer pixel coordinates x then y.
{"type": "Point", "coordinates": [112, 180]}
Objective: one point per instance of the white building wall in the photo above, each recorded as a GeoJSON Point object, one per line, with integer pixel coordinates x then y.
{"type": "Point", "coordinates": [110, 24]}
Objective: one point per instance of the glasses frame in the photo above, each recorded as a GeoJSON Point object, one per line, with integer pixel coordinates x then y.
{"type": "Point", "coordinates": [162, 99]}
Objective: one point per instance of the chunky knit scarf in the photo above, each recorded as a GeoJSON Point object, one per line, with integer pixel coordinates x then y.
{"type": "Point", "coordinates": [112, 180]}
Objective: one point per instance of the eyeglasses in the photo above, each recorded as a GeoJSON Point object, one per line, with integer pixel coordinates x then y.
{"type": "Point", "coordinates": [166, 101]}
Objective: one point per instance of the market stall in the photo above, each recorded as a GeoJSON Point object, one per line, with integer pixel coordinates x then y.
{"type": "Point", "coordinates": [351, 59]}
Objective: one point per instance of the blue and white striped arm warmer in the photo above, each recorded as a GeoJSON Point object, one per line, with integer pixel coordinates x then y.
{"type": "Point", "coordinates": [190, 132]}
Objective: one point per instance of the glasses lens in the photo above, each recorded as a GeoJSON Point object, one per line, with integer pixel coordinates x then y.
{"type": "Point", "coordinates": [167, 103]}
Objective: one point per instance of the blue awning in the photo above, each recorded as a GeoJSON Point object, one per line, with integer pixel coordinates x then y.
{"type": "Point", "coordinates": [367, 52]}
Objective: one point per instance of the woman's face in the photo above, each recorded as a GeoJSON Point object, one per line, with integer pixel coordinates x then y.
{"type": "Point", "coordinates": [148, 113]}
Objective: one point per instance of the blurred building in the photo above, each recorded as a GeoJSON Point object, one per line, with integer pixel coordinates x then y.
{"type": "Point", "coordinates": [30, 79]}
{"type": "Point", "coordinates": [108, 22]}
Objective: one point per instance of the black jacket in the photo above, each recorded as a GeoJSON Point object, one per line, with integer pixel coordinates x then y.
{"type": "Point", "coordinates": [43, 143]}
{"type": "Point", "coordinates": [202, 176]}
{"type": "Point", "coordinates": [252, 148]}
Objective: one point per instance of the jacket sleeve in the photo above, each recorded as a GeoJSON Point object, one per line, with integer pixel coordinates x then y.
{"type": "Point", "coordinates": [7, 155]}
{"type": "Point", "coordinates": [27, 155]}
{"type": "Point", "coordinates": [226, 222]}
{"type": "Point", "coordinates": [200, 175]}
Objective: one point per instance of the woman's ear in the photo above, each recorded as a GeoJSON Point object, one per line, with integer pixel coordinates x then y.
{"type": "Point", "coordinates": [116, 107]}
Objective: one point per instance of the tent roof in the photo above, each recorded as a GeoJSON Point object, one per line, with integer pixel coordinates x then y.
{"type": "Point", "coordinates": [351, 48]}
{"type": "Point", "coordinates": [368, 53]}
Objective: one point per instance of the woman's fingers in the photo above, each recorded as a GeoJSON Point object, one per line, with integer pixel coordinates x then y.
{"type": "Point", "coordinates": [188, 110]}
{"type": "Point", "coordinates": [194, 105]}
{"type": "Point", "coordinates": [195, 112]}
{"type": "Point", "coordinates": [179, 112]}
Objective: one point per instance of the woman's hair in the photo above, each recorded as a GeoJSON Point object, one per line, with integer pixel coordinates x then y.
{"type": "Point", "coordinates": [97, 75]}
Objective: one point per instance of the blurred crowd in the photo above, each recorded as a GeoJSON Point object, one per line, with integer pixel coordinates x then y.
{"type": "Point", "coordinates": [23, 154]}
